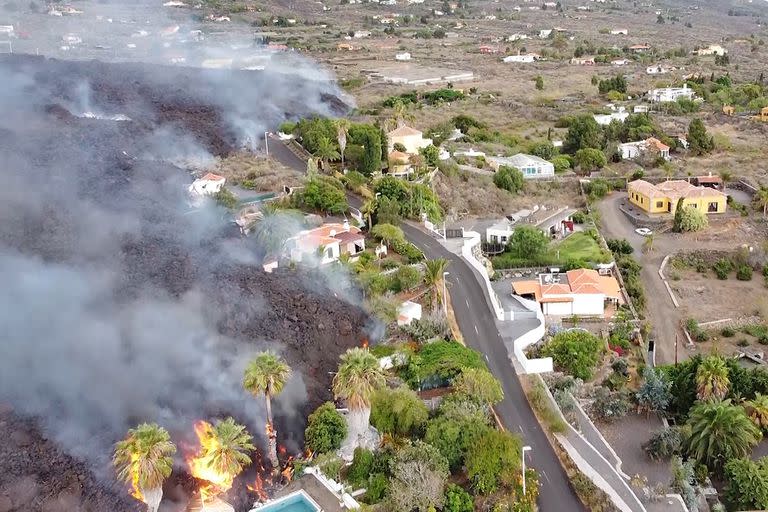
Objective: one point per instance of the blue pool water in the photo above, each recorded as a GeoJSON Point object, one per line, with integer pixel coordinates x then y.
{"type": "Point", "coordinates": [292, 503]}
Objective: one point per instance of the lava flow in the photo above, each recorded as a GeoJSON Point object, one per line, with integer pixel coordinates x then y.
{"type": "Point", "coordinates": [201, 465]}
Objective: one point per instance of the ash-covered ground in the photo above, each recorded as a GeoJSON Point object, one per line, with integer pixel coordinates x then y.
{"type": "Point", "coordinates": [119, 303]}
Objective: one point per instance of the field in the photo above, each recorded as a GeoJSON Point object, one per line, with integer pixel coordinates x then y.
{"type": "Point", "coordinates": [578, 246]}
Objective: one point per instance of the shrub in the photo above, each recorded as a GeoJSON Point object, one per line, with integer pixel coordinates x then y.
{"type": "Point", "coordinates": [326, 429]}
{"type": "Point", "coordinates": [457, 500]}
{"type": "Point", "coordinates": [427, 328]}
{"type": "Point", "coordinates": [493, 460]}
{"type": "Point", "coordinates": [689, 219]}
{"type": "Point", "coordinates": [576, 352]}
{"type": "Point", "coordinates": [398, 411]}
{"type": "Point", "coordinates": [361, 467]}
{"type": "Point", "coordinates": [744, 273]}
{"type": "Point", "coordinates": [579, 217]}
{"type": "Point", "coordinates": [609, 405]}
{"type": "Point", "coordinates": [443, 360]}
{"type": "Point", "coordinates": [509, 179]}
{"type": "Point", "coordinates": [722, 268]}
{"type": "Point", "coordinates": [665, 443]}
{"type": "Point", "coordinates": [621, 246]}
{"type": "Point", "coordinates": [728, 332]}
{"type": "Point", "coordinates": [377, 488]}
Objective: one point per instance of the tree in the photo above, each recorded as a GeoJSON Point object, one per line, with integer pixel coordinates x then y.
{"type": "Point", "coordinates": [654, 394]}
{"type": "Point", "coordinates": [720, 432]}
{"type": "Point", "coordinates": [225, 446]}
{"type": "Point", "coordinates": [561, 163]}
{"type": "Point", "coordinates": [323, 193]}
{"type": "Point", "coordinates": [266, 375]}
{"type": "Point", "coordinates": [576, 352]}
{"type": "Point", "coordinates": [419, 473]}
{"type": "Point", "coordinates": [326, 150]}
{"type": "Point", "coordinates": [761, 198]}
{"type": "Point", "coordinates": [358, 377]}
{"type": "Point", "coordinates": [648, 243]}
{"type": "Point", "coordinates": [398, 411]}
{"type": "Point", "coordinates": [509, 179]}
{"type": "Point", "coordinates": [527, 242]}
{"type": "Point", "coordinates": [431, 155]}
{"type": "Point", "coordinates": [493, 460]}
{"type": "Point", "coordinates": [433, 276]}
{"type": "Point", "coordinates": [699, 142]}
{"type": "Point", "coordinates": [456, 429]}
{"type": "Point", "coordinates": [387, 233]}
{"type": "Point", "coordinates": [371, 144]}
{"type": "Point", "coordinates": [583, 133]}
{"type": "Point", "coordinates": [275, 227]}
{"type": "Point", "coordinates": [342, 129]}
{"type": "Point", "coordinates": [689, 219]}
{"type": "Point", "coordinates": [712, 379]}
{"type": "Point", "coordinates": [590, 159]}
{"type": "Point", "coordinates": [479, 384]}
{"type": "Point", "coordinates": [224, 197]}
{"type": "Point", "coordinates": [401, 113]}
{"type": "Point", "coordinates": [665, 443]}
{"type": "Point", "coordinates": [746, 484]}
{"type": "Point", "coordinates": [407, 277]}
{"type": "Point", "coordinates": [144, 459]}
{"type": "Point", "coordinates": [457, 500]}
{"type": "Point", "coordinates": [388, 211]}
{"type": "Point", "coordinates": [399, 146]}
{"type": "Point", "coordinates": [757, 410]}
{"type": "Point", "coordinates": [326, 429]}
{"type": "Point", "coordinates": [539, 83]}
{"type": "Point", "coordinates": [543, 150]}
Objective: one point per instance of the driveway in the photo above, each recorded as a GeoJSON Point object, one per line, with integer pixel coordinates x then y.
{"type": "Point", "coordinates": [660, 311]}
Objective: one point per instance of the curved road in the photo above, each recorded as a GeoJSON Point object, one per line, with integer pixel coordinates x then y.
{"type": "Point", "coordinates": [478, 327]}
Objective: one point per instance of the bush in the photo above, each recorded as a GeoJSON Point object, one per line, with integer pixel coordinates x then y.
{"type": "Point", "coordinates": [377, 488]}
{"type": "Point", "coordinates": [609, 405]}
{"type": "Point", "coordinates": [597, 188]}
{"type": "Point", "coordinates": [575, 352]}
{"type": "Point", "coordinates": [665, 443]}
{"type": "Point", "coordinates": [407, 250]}
{"type": "Point", "coordinates": [407, 278]}
{"type": "Point", "coordinates": [690, 219]}
{"type": "Point", "coordinates": [225, 198]}
{"type": "Point", "coordinates": [493, 460]}
{"type": "Point", "coordinates": [398, 411]}
{"type": "Point", "coordinates": [562, 163]}
{"type": "Point", "coordinates": [457, 500]}
{"type": "Point", "coordinates": [326, 429]}
{"type": "Point", "coordinates": [443, 360]}
{"type": "Point", "coordinates": [728, 332]}
{"type": "Point", "coordinates": [509, 179]}
{"type": "Point", "coordinates": [427, 328]}
{"type": "Point", "coordinates": [722, 268]}
{"type": "Point", "coordinates": [621, 246]}
{"type": "Point", "coordinates": [361, 467]}
{"type": "Point", "coordinates": [744, 273]}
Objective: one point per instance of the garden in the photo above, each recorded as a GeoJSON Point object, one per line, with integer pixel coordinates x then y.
{"type": "Point", "coordinates": [529, 247]}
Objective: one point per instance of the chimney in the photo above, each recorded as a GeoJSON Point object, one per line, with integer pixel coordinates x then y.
{"type": "Point", "coordinates": [346, 225]}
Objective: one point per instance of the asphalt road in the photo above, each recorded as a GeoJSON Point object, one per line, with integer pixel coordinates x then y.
{"type": "Point", "coordinates": [478, 327]}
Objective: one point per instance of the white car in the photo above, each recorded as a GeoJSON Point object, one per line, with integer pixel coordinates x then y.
{"type": "Point", "coordinates": [643, 231]}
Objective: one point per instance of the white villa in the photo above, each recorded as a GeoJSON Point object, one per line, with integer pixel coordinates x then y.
{"type": "Point", "coordinates": [326, 244]}
{"type": "Point", "coordinates": [576, 292]}
{"type": "Point", "coordinates": [713, 49]}
{"type": "Point", "coordinates": [606, 119]}
{"type": "Point", "coordinates": [403, 56]}
{"type": "Point", "coordinates": [671, 94]}
{"type": "Point", "coordinates": [207, 185]}
{"type": "Point", "coordinates": [526, 57]}
{"type": "Point", "coordinates": [630, 150]}
{"type": "Point", "coordinates": [410, 138]}
{"type": "Point", "coordinates": [531, 166]}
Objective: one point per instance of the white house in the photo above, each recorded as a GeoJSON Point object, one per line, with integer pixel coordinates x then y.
{"type": "Point", "coordinates": [576, 292]}
{"type": "Point", "coordinates": [325, 244]}
{"type": "Point", "coordinates": [619, 32]}
{"type": "Point", "coordinates": [671, 94]}
{"type": "Point", "coordinates": [517, 37]}
{"type": "Point", "coordinates": [620, 62]}
{"type": "Point", "coordinates": [640, 109]}
{"type": "Point", "coordinates": [583, 61]}
{"type": "Point", "coordinates": [713, 49]}
{"type": "Point", "coordinates": [526, 57]}
{"type": "Point", "coordinates": [531, 166]}
{"type": "Point", "coordinates": [410, 138]}
{"type": "Point", "coordinates": [630, 150]}
{"type": "Point", "coordinates": [360, 34]}
{"type": "Point", "coordinates": [207, 185]}
{"type": "Point", "coordinates": [659, 69]}
{"type": "Point", "coordinates": [403, 56]}
{"type": "Point", "coordinates": [605, 119]}
{"type": "Point", "coordinates": [500, 232]}
{"type": "Point", "coordinates": [544, 34]}
{"type": "Point", "coordinates": [471, 153]}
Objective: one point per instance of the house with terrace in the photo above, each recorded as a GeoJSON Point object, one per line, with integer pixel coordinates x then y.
{"type": "Point", "coordinates": [663, 198]}
{"type": "Point", "coordinates": [576, 292]}
{"type": "Point", "coordinates": [410, 138]}
{"type": "Point", "coordinates": [531, 166]}
{"type": "Point", "coordinates": [651, 145]}
{"type": "Point", "coordinates": [325, 244]}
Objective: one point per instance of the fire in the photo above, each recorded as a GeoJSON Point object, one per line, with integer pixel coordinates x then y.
{"type": "Point", "coordinates": [200, 464]}
{"type": "Point", "coordinates": [258, 488]}
{"type": "Point", "coordinates": [365, 343]}
{"type": "Point", "coordinates": [135, 478]}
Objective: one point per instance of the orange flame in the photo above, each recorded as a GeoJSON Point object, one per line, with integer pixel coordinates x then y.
{"type": "Point", "coordinates": [258, 488]}
{"type": "Point", "coordinates": [365, 343]}
{"type": "Point", "coordinates": [200, 465]}
{"type": "Point", "coordinates": [136, 493]}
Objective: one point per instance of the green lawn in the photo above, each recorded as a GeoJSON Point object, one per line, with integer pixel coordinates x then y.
{"type": "Point", "coordinates": [578, 246]}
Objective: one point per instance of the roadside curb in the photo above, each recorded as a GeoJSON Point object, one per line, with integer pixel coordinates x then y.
{"type": "Point", "coordinates": [664, 280]}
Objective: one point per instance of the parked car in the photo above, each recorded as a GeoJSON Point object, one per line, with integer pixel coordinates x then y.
{"type": "Point", "coordinates": [643, 231]}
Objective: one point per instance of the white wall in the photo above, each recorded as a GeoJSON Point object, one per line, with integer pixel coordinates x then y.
{"type": "Point", "coordinates": [589, 304]}
{"type": "Point", "coordinates": [540, 365]}
{"type": "Point", "coordinates": [558, 308]}
{"type": "Point", "coordinates": [472, 239]}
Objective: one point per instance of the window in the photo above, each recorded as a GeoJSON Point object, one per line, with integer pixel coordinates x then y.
{"type": "Point", "coordinates": [712, 207]}
{"type": "Point", "coordinates": [692, 205]}
{"type": "Point", "coordinates": [659, 204]}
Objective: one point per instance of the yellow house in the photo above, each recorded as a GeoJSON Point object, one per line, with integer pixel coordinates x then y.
{"type": "Point", "coordinates": [663, 198]}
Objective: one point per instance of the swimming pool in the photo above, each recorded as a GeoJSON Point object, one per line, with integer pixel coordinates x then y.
{"type": "Point", "coordinates": [295, 502]}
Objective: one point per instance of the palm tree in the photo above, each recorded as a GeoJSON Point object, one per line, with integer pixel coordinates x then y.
{"type": "Point", "coordinates": [761, 198]}
{"type": "Point", "coordinates": [727, 177]}
{"type": "Point", "coordinates": [720, 432]}
{"type": "Point", "coordinates": [275, 226]}
{"type": "Point", "coordinates": [368, 209]}
{"type": "Point", "coordinates": [358, 377]}
{"type": "Point", "coordinates": [311, 168]}
{"type": "Point", "coordinates": [225, 447]}
{"type": "Point", "coordinates": [648, 243]}
{"type": "Point", "coordinates": [433, 276]}
{"type": "Point", "coordinates": [757, 409]}
{"type": "Point", "coordinates": [342, 129]}
{"type": "Point", "coordinates": [144, 459]}
{"type": "Point", "coordinates": [266, 375]}
{"type": "Point", "coordinates": [326, 151]}
{"type": "Point", "coordinates": [401, 113]}
{"type": "Point", "coordinates": [712, 379]}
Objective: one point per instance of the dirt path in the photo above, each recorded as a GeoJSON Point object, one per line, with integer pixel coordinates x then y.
{"type": "Point", "coordinates": [660, 311]}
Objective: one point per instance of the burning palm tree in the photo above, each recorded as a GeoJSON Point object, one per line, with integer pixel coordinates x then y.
{"type": "Point", "coordinates": [223, 454]}
{"type": "Point", "coordinates": [342, 129]}
{"type": "Point", "coordinates": [267, 375]}
{"type": "Point", "coordinates": [144, 459]}
{"type": "Point", "coordinates": [358, 377]}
